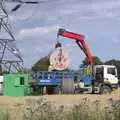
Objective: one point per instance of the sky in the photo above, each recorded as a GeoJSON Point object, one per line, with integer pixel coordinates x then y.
{"type": "Point", "coordinates": [35, 28]}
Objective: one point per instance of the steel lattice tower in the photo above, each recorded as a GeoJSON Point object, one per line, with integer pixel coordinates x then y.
{"type": "Point", "coordinates": [10, 58]}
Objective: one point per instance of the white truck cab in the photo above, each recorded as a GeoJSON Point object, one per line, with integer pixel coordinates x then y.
{"type": "Point", "coordinates": [106, 75]}
{"type": "Point", "coordinates": [104, 80]}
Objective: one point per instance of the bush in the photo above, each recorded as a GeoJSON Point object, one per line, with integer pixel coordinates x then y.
{"type": "Point", "coordinates": [43, 110]}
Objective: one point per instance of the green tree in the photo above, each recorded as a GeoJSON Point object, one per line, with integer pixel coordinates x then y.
{"type": "Point", "coordinates": [116, 63]}
{"type": "Point", "coordinates": [41, 65]}
{"type": "Point", "coordinates": [97, 61]}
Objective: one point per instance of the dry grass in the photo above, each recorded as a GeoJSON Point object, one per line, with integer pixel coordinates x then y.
{"type": "Point", "coordinates": [37, 108]}
{"type": "Point", "coordinates": [16, 105]}
{"type": "Point", "coordinates": [59, 99]}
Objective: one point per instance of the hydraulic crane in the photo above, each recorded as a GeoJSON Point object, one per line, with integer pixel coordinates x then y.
{"type": "Point", "coordinates": [80, 40]}
{"type": "Point", "coordinates": [103, 77]}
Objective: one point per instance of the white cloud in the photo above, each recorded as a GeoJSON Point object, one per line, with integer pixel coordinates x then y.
{"type": "Point", "coordinates": [35, 33]}
{"type": "Point", "coordinates": [69, 8]}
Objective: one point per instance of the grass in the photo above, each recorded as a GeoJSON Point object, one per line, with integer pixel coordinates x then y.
{"type": "Point", "coordinates": [41, 109]}
{"type": "Point", "coordinates": [4, 114]}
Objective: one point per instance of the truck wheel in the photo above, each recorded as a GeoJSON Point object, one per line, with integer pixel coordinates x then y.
{"type": "Point", "coordinates": [105, 89]}
{"type": "Point", "coordinates": [57, 90]}
{"type": "Point", "coordinates": [76, 91]}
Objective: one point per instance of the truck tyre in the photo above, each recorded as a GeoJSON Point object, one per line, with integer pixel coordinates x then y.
{"type": "Point", "coordinates": [105, 89]}
{"type": "Point", "coordinates": [76, 91]}
{"type": "Point", "coordinates": [57, 90]}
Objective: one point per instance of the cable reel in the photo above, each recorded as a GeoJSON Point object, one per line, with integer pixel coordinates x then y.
{"type": "Point", "coordinates": [59, 59]}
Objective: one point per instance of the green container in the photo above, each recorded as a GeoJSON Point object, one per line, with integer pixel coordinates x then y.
{"type": "Point", "coordinates": [16, 84]}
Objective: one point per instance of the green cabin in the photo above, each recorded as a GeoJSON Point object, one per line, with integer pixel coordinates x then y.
{"type": "Point", "coordinates": [16, 84]}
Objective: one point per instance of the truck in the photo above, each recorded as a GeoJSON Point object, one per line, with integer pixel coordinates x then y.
{"type": "Point", "coordinates": [101, 78]}
{"type": "Point", "coordinates": [93, 78]}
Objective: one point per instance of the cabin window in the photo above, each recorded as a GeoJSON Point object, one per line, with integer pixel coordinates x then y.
{"type": "Point", "coordinates": [22, 81]}
{"type": "Point", "coordinates": [111, 71]}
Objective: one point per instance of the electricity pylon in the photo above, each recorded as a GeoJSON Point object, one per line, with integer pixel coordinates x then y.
{"type": "Point", "coordinates": [10, 58]}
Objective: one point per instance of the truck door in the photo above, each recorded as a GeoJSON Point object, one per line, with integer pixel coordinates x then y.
{"type": "Point", "coordinates": [99, 75]}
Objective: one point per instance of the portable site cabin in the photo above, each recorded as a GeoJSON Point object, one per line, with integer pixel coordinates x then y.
{"type": "Point", "coordinates": [16, 84]}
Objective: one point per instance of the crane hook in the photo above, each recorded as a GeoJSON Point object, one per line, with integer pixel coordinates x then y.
{"type": "Point", "coordinates": [58, 44]}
